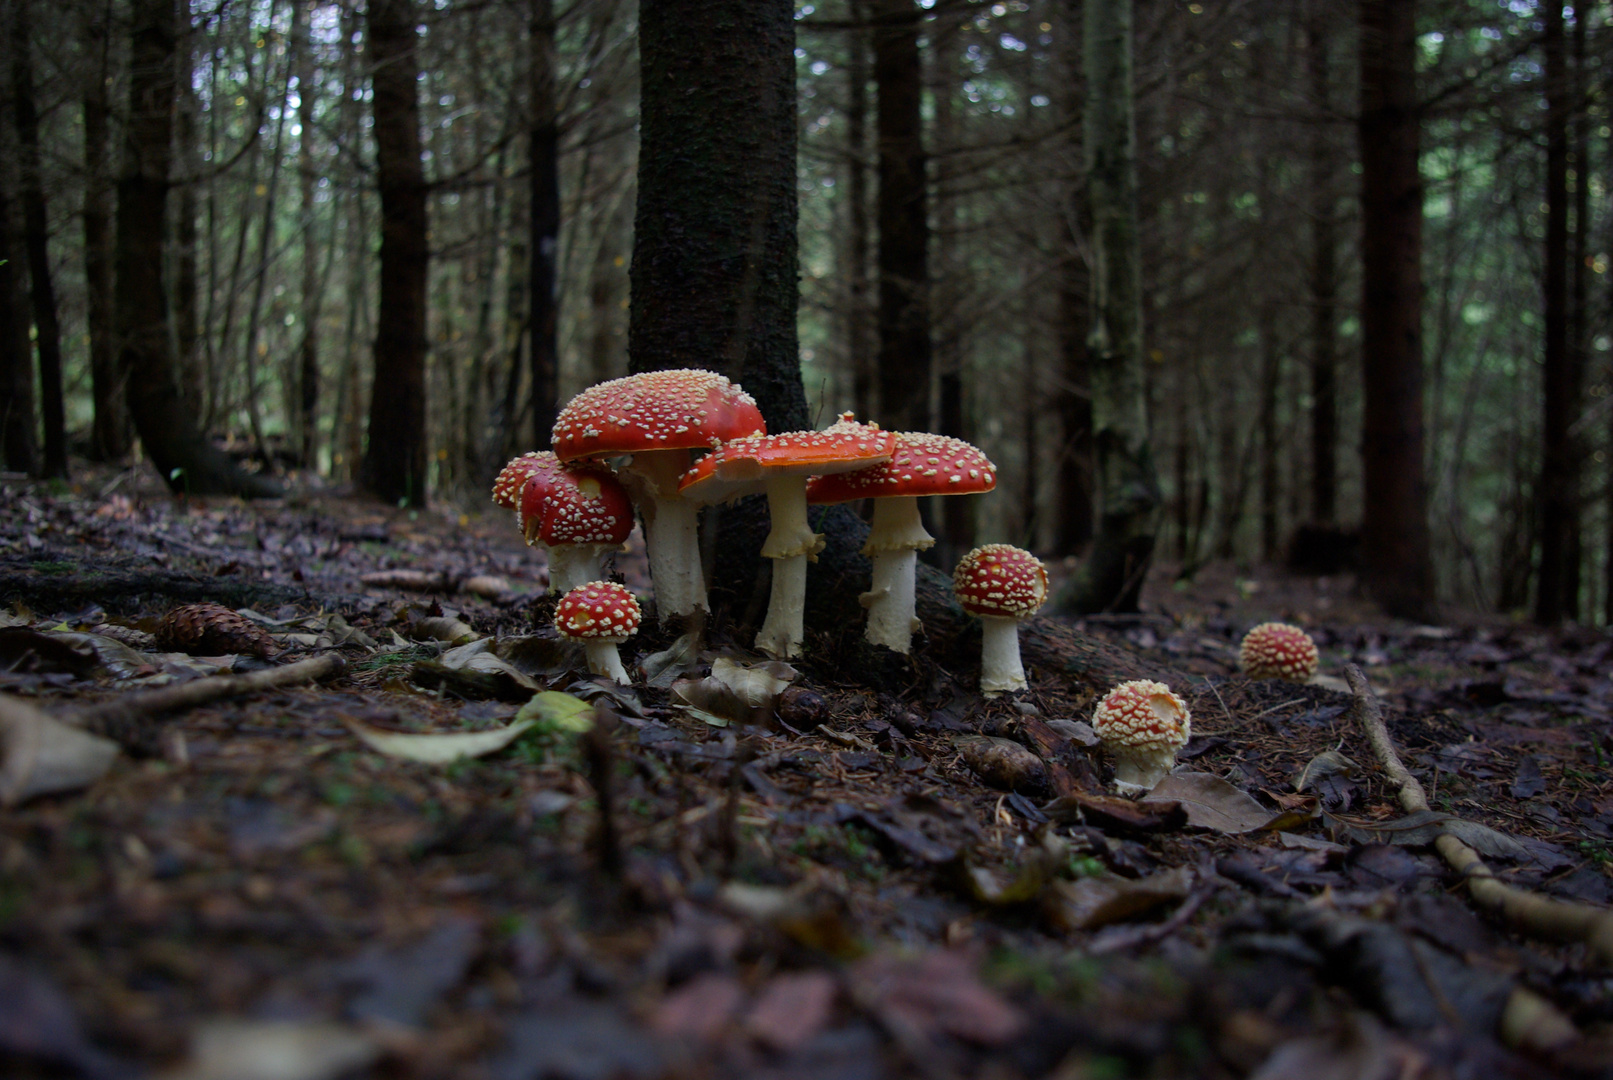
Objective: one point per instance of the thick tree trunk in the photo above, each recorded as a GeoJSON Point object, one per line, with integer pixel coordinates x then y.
{"type": "Point", "coordinates": [187, 283]}
{"type": "Point", "coordinates": [859, 340]}
{"type": "Point", "coordinates": [1559, 466]}
{"type": "Point", "coordinates": [904, 228]}
{"type": "Point", "coordinates": [1271, 374]}
{"type": "Point", "coordinates": [36, 227]}
{"type": "Point", "coordinates": [19, 437]}
{"type": "Point", "coordinates": [714, 257]}
{"type": "Point", "coordinates": [1073, 522]}
{"type": "Point", "coordinates": [1324, 284]}
{"type": "Point", "coordinates": [544, 148]}
{"type": "Point", "coordinates": [395, 461]}
{"type": "Point", "coordinates": [111, 435]}
{"type": "Point", "coordinates": [1112, 577]}
{"type": "Point", "coordinates": [140, 307]}
{"type": "Point", "coordinates": [1398, 570]}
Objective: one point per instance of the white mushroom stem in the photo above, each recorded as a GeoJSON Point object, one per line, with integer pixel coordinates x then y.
{"type": "Point", "coordinates": [571, 565]}
{"type": "Point", "coordinates": [791, 544]}
{"type": "Point", "coordinates": [603, 659]}
{"type": "Point", "coordinates": [1000, 668]}
{"type": "Point", "coordinates": [897, 536]}
{"type": "Point", "coordinates": [1139, 768]}
{"type": "Point", "coordinates": [671, 532]}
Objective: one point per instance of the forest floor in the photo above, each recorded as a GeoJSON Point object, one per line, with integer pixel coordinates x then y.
{"type": "Point", "coordinates": [838, 881]}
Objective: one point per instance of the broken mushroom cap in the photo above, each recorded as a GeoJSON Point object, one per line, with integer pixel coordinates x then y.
{"type": "Point", "coordinates": [921, 464]}
{"type": "Point", "coordinates": [1002, 584]}
{"type": "Point", "coordinates": [1276, 650]}
{"type": "Point", "coordinates": [659, 417]}
{"type": "Point", "coordinates": [602, 615]}
{"type": "Point", "coordinates": [1142, 723]}
{"type": "Point", "coordinates": [580, 512]}
{"type": "Point", "coordinates": [779, 465]}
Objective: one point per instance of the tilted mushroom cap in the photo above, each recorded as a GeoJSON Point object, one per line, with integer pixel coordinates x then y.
{"type": "Point", "coordinates": [574, 504]}
{"type": "Point", "coordinates": [741, 466]}
{"type": "Point", "coordinates": [1000, 580]}
{"type": "Point", "coordinates": [680, 409]}
{"type": "Point", "coordinates": [921, 464]}
{"type": "Point", "coordinates": [1276, 650]}
{"type": "Point", "coordinates": [601, 610]}
{"type": "Point", "coordinates": [1142, 715]}
{"type": "Point", "coordinates": [513, 477]}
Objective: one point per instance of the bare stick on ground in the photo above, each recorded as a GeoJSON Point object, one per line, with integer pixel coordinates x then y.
{"type": "Point", "coordinates": [1522, 910]}
{"type": "Point", "coordinates": [108, 716]}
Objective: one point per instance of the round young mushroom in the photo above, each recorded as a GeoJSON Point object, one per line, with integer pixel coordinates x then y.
{"type": "Point", "coordinates": [922, 464]}
{"type": "Point", "coordinates": [580, 512]}
{"type": "Point", "coordinates": [513, 477]}
{"type": "Point", "coordinates": [1142, 723]}
{"type": "Point", "coordinates": [1275, 650]}
{"type": "Point", "coordinates": [602, 615]}
{"type": "Point", "coordinates": [779, 465]}
{"type": "Point", "coordinates": [659, 417]}
{"type": "Point", "coordinates": [1002, 584]}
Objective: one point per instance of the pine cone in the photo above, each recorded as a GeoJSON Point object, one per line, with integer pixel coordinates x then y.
{"type": "Point", "coordinates": [212, 630]}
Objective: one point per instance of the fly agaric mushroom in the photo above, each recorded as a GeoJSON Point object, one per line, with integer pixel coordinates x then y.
{"type": "Point", "coordinates": [922, 464]}
{"type": "Point", "coordinates": [513, 477]}
{"type": "Point", "coordinates": [1142, 723]}
{"type": "Point", "coordinates": [659, 417]}
{"type": "Point", "coordinates": [779, 465]}
{"type": "Point", "coordinates": [579, 512]}
{"type": "Point", "coordinates": [1002, 584]}
{"type": "Point", "coordinates": [602, 615]}
{"type": "Point", "coordinates": [1277, 650]}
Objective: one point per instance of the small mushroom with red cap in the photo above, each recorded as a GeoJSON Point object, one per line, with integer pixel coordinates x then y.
{"type": "Point", "coordinates": [922, 464]}
{"type": "Point", "coordinates": [1002, 584]}
{"type": "Point", "coordinates": [779, 465]}
{"type": "Point", "coordinates": [602, 615]}
{"type": "Point", "coordinates": [1275, 650]}
{"type": "Point", "coordinates": [658, 417]}
{"type": "Point", "coordinates": [579, 512]}
{"type": "Point", "coordinates": [1142, 723]}
{"type": "Point", "coordinates": [513, 477]}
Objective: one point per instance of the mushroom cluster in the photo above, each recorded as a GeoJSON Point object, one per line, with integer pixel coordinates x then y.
{"type": "Point", "coordinates": [669, 443]}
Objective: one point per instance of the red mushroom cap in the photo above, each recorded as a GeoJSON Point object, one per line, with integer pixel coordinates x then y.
{"type": "Point", "coordinates": [601, 610]}
{"type": "Point", "coordinates": [740, 465]}
{"type": "Point", "coordinates": [921, 464]}
{"type": "Point", "coordinates": [1276, 650]}
{"type": "Point", "coordinates": [513, 477]}
{"type": "Point", "coordinates": [1142, 714]}
{"type": "Point", "coordinates": [574, 504]}
{"type": "Point", "coordinates": [1000, 580]}
{"type": "Point", "coordinates": [656, 410]}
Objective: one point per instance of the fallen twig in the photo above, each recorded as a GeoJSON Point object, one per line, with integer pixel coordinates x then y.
{"type": "Point", "coordinates": [1522, 910]}
{"type": "Point", "coordinates": [107, 716]}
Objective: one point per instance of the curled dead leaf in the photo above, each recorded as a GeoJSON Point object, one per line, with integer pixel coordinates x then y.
{"type": "Point", "coordinates": [40, 755]}
{"type": "Point", "coordinates": [1090, 902]}
{"type": "Point", "coordinates": [1212, 803]}
{"type": "Point", "coordinates": [437, 749]}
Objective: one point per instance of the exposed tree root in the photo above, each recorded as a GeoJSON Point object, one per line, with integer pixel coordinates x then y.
{"type": "Point", "coordinates": [1521, 910]}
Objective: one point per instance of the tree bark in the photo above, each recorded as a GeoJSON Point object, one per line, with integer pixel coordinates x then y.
{"type": "Point", "coordinates": [904, 230]}
{"type": "Point", "coordinates": [714, 257]}
{"type": "Point", "coordinates": [1559, 472]}
{"type": "Point", "coordinates": [859, 342]}
{"type": "Point", "coordinates": [395, 461]}
{"type": "Point", "coordinates": [36, 229]}
{"type": "Point", "coordinates": [187, 283]}
{"type": "Point", "coordinates": [544, 147]}
{"type": "Point", "coordinates": [166, 423]}
{"type": "Point", "coordinates": [1398, 570]}
{"type": "Point", "coordinates": [1111, 579]}
{"type": "Point", "coordinates": [1271, 374]}
{"type": "Point", "coordinates": [19, 437]}
{"type": "Point", "coordinates": [1324, 283]}
{"type": "Point", "coordinates": [306, 385]}
{"type": "Point", "coordinates": [111, 435]}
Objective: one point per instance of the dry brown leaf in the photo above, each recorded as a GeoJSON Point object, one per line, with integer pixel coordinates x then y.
{"type": "Point", "coordinates": [40, 755]}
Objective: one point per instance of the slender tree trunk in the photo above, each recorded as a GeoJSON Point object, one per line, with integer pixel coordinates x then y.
{"type": "Point", "coordinates": [544, 148]}
{"type": "Point", "coordinates": [395, 461]}
{"type": "Point", "coordinates": [140, 307]}
{"type": "Point", "coordinates": [1111, 579]}
{"type": "Point", "coordinates": [1324, 284]}
{"type": "Point", "coordinates": [904, 228]}
{"type": "Point", "coordinates": [1271, 374]}
{"type": "Point", "coordinates": [957, 533]}
{"type": "Point", "coordinates": [1394, 530]}
{"type": "Point", "coordinates": [1073, 525]}
{"type": "Point", "coordinates": [111, 437]}
{"type": "Point", "coordinates": [1559, 502]}
{"type": "Point", "coordinates": [187, 334]}
{"type": "Point", "coordinates": [19, 436]}
{"type": "Point", "coordinates": [714, 257]}
{"type": "Point", "coordinates": [306, 404]}
{"type": "Point", "coordinates": [36, 227]}
{"type": "Point", "coordinates": [859, 340]}
{"type": "Point", "coordinates": [1578, 315]}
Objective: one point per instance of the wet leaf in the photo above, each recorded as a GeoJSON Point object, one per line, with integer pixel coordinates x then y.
{"type": "Point", "coordinates": [1212, 803]}
{"type": "Point", "coordinates": [40, 755]}
{"type": "Point", "coordinates": [275, 1050]}
{"type": "Point", "coordinates": [437, 749]}
{"type": "Point", "coordinates": [1091, 902]}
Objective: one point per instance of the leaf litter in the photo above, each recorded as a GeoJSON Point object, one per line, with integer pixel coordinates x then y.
{"type": "Point", "coordinates": [819, 874]}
